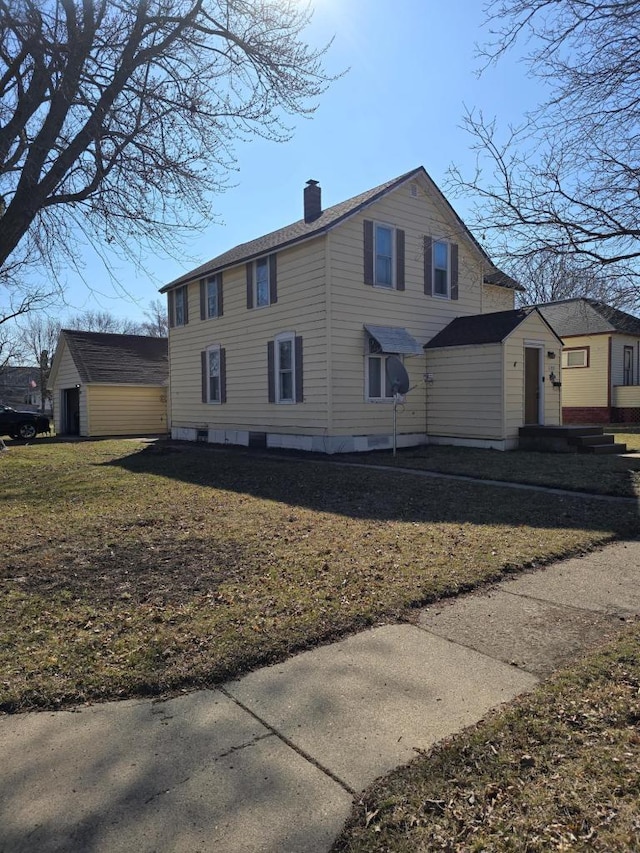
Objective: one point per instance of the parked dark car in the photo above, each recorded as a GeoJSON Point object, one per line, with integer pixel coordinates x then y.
{"type": "Point", "coordinates": [22, 424]}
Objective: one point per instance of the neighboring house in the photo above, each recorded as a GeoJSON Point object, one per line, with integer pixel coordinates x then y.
{"type": "Point", "coordinates": [106, 384]}
{"type": "Point", "coordinates": [20, 387]}
{"type": "Point", "coordinates": [600, 361]}
{"type": "Point", "coordinates": [284, 341]}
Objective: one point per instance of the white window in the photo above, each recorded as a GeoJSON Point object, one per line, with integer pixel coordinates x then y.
{"type": "Point", "coordinates": [179, 297]}
{"type": "Point", "coordinates": [377, 384]}
{"type": "Point", "coordinates": [441, 268]}
{"type": "Point", "coordinates": [213, 305]}
{"type": "Point", "coordinates": [285, 368]}
{"type": "Point", "coordinates": [384, 240]}
{"type": "Point", "coordinates": [575, 357]}
{"type": "Point", "coordinates": [262, 282]}
{"type": "Point", "coordinates": [214, 375]}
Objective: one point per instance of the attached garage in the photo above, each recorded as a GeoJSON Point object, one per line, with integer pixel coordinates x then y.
{"type": "Point", "coordinates": [105, 384]}
{"type": "Point", "coordinates": [490, 374]}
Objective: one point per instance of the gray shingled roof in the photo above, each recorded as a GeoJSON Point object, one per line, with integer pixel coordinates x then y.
{"type": "Point", "coordinates": [582, 316]}
{"type": "Point", "coordinates": [118, 359]}
{"type": "Point", "coordinates": [479, 329]}
{"type": "Point", "coordinates": [501, 279]}
{"type": "Point", "coordinates": [330, 217]}
{"type": "Point", "coordinates": [394, 339]}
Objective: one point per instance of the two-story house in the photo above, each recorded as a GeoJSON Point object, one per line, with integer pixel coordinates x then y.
{"type": "Point", "coordinates": [285, 341]}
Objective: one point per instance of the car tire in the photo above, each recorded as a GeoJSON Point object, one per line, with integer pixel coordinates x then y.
{"type": "Point", "coordinates": [27, 431]}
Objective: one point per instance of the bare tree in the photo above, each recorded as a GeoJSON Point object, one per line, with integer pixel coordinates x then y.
{"type": "Point", "coordinates": [156, 323]}
{"type": "Point", "coordinates": [568, 180]}
{"type": "Point", "coordinates": [118, 117]}
{"type": "Point", "coordinates": [103, 321]}
{"type": "Point", "coordinates": [549, 277]}
{"type": "Point", "coordinates": [38, 337]}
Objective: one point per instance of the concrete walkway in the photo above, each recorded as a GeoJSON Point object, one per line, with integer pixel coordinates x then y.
{"type": "Point", "coordinates": [271, 763]}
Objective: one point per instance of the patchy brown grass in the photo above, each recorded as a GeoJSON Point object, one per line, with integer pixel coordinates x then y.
{"type": "Point", "coordinates": [607, 475]}
{"type": "Point", "coordinates": [130, 571]}
{"type": "Point", "coordinates": [558, 770]}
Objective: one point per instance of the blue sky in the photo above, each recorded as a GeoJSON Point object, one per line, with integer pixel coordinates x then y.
{"type": "Point", "coordinates": [412, 71]}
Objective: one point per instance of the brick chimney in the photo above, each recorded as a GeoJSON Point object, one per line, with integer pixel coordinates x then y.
{"type": "Point", "coordinates": [312, 201]}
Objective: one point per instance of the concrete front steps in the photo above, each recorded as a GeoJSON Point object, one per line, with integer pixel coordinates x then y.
{"type": "Point", "coordinates": [569, 439]}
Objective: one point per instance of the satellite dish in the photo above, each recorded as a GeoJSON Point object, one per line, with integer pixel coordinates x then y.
{"type": "Point", "coordinates": [397, 375]}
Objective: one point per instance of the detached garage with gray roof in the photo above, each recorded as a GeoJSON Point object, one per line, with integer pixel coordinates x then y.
{"type": "Point", "coordinates": [106, 384]}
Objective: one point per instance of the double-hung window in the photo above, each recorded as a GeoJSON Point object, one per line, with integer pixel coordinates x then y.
{"type": "Point", "coordinates": [262, 285]}
{"type": "Point", "coordinates": [378, 384]}
{"type": "Point", "coordinates": [284, 359]}
{"type": "Point", "coordinates": [440, 268]}
{"type": "Point", "coordinates": [211, 297]}
{"type": "Point", "coordinates": [384, 255]}
{"type": "Point", "coordinates": [384, 239]}
{"type": "Point", "coordinates": [285, 369]}
{"type": "Point", "coordinates": [178, 306]}
{"type": "Point", "coordinates": [262, 282]}
{"type": "Point", "coordinates": [214, 388]}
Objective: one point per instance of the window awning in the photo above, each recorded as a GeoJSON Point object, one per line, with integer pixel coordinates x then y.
{"type": "Point", "coordinates": [394, 340]}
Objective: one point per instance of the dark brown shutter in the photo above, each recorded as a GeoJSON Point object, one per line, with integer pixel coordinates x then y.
{"type": "Point", "coordinates": [250, 284]}
{"type": "Point", "coordinates": [205, 375]}
{"type": "Point", "coordinates": [271, 367]}
{"type": "Point", "coordinates": [219, 286]}
{"type": "Point", "coordinates": [223, 375]}
{"type": "Point", "coordinates": [399, 259]}
{"type": "Point", "coordinates": [186, 303]}
{"type": "Point", "coordinates": [298, 362]}
{"type": "Point", "coordinates": [368, 251]}
{"type": "Point", "coordinates": [428, 266]}
{"type": "Point", "coordinates": [454, 270]}
{"type": "Point", "coordinates": [203, 299]}
{"type": "Point", "coordinates": [273, 279]}
{"type": "Point", "coordinates": [172, 309]}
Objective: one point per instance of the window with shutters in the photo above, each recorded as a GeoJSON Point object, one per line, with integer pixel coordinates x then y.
{"type": "Point", "coordinates": [262, 288]}
{"type": "Point", "coordinates": [441, 267]}
{"type": "Point", "coordinates": [285, 369]}
{"type": "Point", "coordinates": [213, 295]}
{"type": "Point", "coordinates": [284, 361]}
{"type": "Point", "coordinates": [384, 240]}
{"type": "Point", "coordinates": [214, 375]}
{"type": "Point", "coordinates": [383, 255]}
{"type": "Point", "coordinates": [178, 307]}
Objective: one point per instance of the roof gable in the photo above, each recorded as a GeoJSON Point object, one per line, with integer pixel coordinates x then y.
{"type": "Point", "coordinates": [582, 316]}
{"type": "Point", "coordinates": [481, 328]}
{"type": "Point", "coordinates": [328, 219]}
{"type": "Point", "coordinates": [117, 359]}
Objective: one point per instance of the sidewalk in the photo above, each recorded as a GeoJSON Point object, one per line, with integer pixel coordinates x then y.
{"type": "Point", "coordinates": [271, 763]}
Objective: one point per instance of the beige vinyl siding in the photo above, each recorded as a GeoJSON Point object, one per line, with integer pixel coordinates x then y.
{"type": "Point", "coordinates": [618, 343]}
{"type": "Point", "coordinates": [355, 303]}
{"type": "Point", "coordinates": [126, 409]}
{"type": "Point", "coordinates": [532, 330]}
{"type": "Point", "coordinates": [496, 298]}
{"type": "Point", "coordinates": [67, 376]}
{"type": "Point", "coordinates": [244, 334]}
{"type": "Point", "coordinates": [464, 398]}
{"type": "Point", "coordinates": [626, 396]}
{"type": "Point", "coordinates": [587, 386]}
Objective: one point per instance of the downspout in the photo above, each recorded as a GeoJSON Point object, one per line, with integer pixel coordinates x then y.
{"type": "Point", "coordinates": [609, 376]}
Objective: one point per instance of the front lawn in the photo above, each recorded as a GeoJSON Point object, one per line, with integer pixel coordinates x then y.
{"type": "Point", "coordinates": [559, 769]}
{"type": "Point", "coordinates": [131, 570]}
{"type": "Point", "coordinates": [608, 475]}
